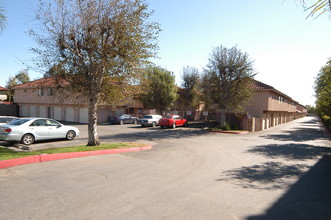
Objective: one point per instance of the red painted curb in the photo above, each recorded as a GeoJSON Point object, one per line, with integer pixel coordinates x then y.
{"type": "Point", "coordinates": [61, 156]}
{"type": "Point", "coordinates": [19, 161]}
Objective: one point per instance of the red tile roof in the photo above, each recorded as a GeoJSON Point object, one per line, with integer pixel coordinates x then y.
{"type": "Point", "coordinates": [41, 82]}
{"type": "Point", "coordinates": [259, 86]}
{"type": "Point", "coordinates": [3, 89]}
{"type": "Point", "coordinates": [262, 86]}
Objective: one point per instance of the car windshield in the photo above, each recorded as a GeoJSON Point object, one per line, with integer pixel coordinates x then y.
{"type": "Point", "coordinates": [18, 121]}
{"type": "Point", "coordinates": [148, 116]}
{"type": "Point", "coordinates": [167, 116]}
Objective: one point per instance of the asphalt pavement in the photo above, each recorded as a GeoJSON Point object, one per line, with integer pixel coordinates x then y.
{"type": "Point", "coordinates": [279, 173]}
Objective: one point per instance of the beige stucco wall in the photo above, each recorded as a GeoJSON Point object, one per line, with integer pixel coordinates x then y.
{"type": "Point", "coordinates": [30, 95]}
{"type": "Point", "coordinates": [258, 104]}
{"type": "Point", "coordinates": [269, 101]}
{"type": "Point", "coordinates": [280, 103]}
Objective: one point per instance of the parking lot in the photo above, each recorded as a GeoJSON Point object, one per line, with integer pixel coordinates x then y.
{"type": "Point", "coordinates": [113, 133]}
{"type": "Point", "coordinates": [279, 173]}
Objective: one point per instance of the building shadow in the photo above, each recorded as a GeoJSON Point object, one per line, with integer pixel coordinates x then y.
{"type": "Point", "coordinates": [309, 198]}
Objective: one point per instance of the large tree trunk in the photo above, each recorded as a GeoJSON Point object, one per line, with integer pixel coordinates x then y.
{"type": "Point", "coordinates": [94, 93]}
{"type": "Point", "coordinates": [93, 138]}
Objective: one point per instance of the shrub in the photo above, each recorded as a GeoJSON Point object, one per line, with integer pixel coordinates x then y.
{"type": "Point", "coordinates": [226, 127]}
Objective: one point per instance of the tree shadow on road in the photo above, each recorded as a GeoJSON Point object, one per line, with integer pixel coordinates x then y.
{"type": "Point", "coordinates": [290, 151]}
{"type": "Point", "coordinates": [274, 175]}
{"type": "Point", "coordinates": [309, 198]}
{"type": "Point", "coordinates": [299, 135]}
{"type": "Point", "coordinates": [269, 175]}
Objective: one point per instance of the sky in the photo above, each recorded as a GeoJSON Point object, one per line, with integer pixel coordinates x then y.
{"type": "Point", "coordinates": [288, 48]}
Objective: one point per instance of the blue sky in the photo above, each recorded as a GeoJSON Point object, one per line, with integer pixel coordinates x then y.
{"type": "Point", "coordinates": [288, 50]}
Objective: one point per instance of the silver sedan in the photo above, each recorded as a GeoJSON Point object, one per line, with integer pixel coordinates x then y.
{"type": "Point", "coordinates": [29, 130]}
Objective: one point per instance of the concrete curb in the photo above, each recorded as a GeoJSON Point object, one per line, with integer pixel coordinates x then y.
{"type": "Point", "coordinates": [49, 157]}
{"type": "Point", "coordinates": [230, 132]}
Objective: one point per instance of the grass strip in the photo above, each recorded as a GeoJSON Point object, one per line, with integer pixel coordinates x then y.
{"type": "Point", "coordinates": [6, 154]}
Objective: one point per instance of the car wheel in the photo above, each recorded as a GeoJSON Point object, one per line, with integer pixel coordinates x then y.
{"type": "Point", "coordinates": [121, 122]}
{"type": "Point", "coordinates": [154, 124]}
{"type": "Point", "coordinates": [27, 139]}
{"type": "Point", "coordinates": [70, 135]}
{"type": "Point", "coordinates": [185, 125]}
{"type": "Point", "coordinates": [174, 125]}
{"type": "Point", "coordinates": [142, 125]}
{"type": "Point", "coordinates": [162, 127]}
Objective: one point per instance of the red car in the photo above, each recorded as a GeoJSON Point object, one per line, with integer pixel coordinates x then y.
{"type": "Point", "coordinates": [172, 121]}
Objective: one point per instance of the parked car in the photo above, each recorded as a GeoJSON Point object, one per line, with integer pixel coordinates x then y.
{"type": "Point", "coordinates": [29, 130]}
{"type": "Point", "coordinates": [6, 119]}
{"type": "Point", "coordinates": [172, 121]}
{"type": "Point", "coordinates": [149, 120]}
{"type": "Point", "coordinates": [123, 119]}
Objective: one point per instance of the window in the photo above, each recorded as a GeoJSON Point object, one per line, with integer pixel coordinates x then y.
{"type": "Point", "coordinates": [41, 91]}
{"type": "Point", "coordinates": [131, 110]}
{"type": "Point", "coordinates": [140, 110]}
{"type": "Point", "coordinates": [18, 121]}
{"type": "Point", "coordinates": [280, 99]}
{"type": "Point", "coordinates": [38, 122]}
{"type": "Point", "coordinates": [52, 123]}
{"type": "Point", "coordinates": [50, 91]}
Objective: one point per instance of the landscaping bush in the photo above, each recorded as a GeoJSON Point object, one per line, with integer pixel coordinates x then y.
{"type": "Point", "coordinates": [226, 127]}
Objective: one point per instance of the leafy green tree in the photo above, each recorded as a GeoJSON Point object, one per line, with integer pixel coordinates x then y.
{"type": "Point", "coordinates": [161, 89]}
{"type": "Point", "coordinates": [311, 109]}
{"type": "Point", "coordinates": [227, 79]}
{"type": "Point", "coordinates": [323, 93]}
{"type": "Point", "coordinates": [20, 78]}
{"type": "Point", "coordinates": [3, 19]}
{"type": "Point", "coordinates": [95, 41]}
{"type": "Point", "coordinates": [57, 70]}
{"type": "Point", "coordinates": [190, 97]}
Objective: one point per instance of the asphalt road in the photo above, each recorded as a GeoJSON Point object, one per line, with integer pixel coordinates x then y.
{"type": "Point", "coordinates": [279, 173]}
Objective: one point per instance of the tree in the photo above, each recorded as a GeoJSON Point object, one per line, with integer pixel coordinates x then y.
{"type": "Point", "coordinates": [320, 7]}
{"type": "Point", "coordinates": [56, 70]}
{"type": "Point", "coordinates": [3, 19]}
{"type": "Point", "coordinates": [20, 78]}
{"type": "Point", "coordinates": [160, 87]}
{"type": "Point", "coordinates": [227, 80]}
{"type": "Point", "coordinates": [190, 97]}
{"type": "Point", "coordinates": [95, 41]}
{"type": "Point", "coordinates": [323, 93]}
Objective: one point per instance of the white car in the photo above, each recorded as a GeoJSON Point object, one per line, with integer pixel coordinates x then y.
{"type": "Point", "coordinates": [6, 119]}
{"type": "Point", "coordinates": [149, 120]}
{"type": "Point", "coordinates": [29, 130]}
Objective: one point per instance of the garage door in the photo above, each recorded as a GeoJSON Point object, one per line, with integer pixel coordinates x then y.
{"type": "Point", "coordinates": [57, 113]}
{"type": "Point", "coordinates": [33, 111]}
{"type": "Point", "coordinates": [42, 111]}
{"type": "Point", "coordinates": [70, 114]}
{"type": "Point", "coordinates": [24, 110]}
{"type": "Point", "coordinates": [83, 115]}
